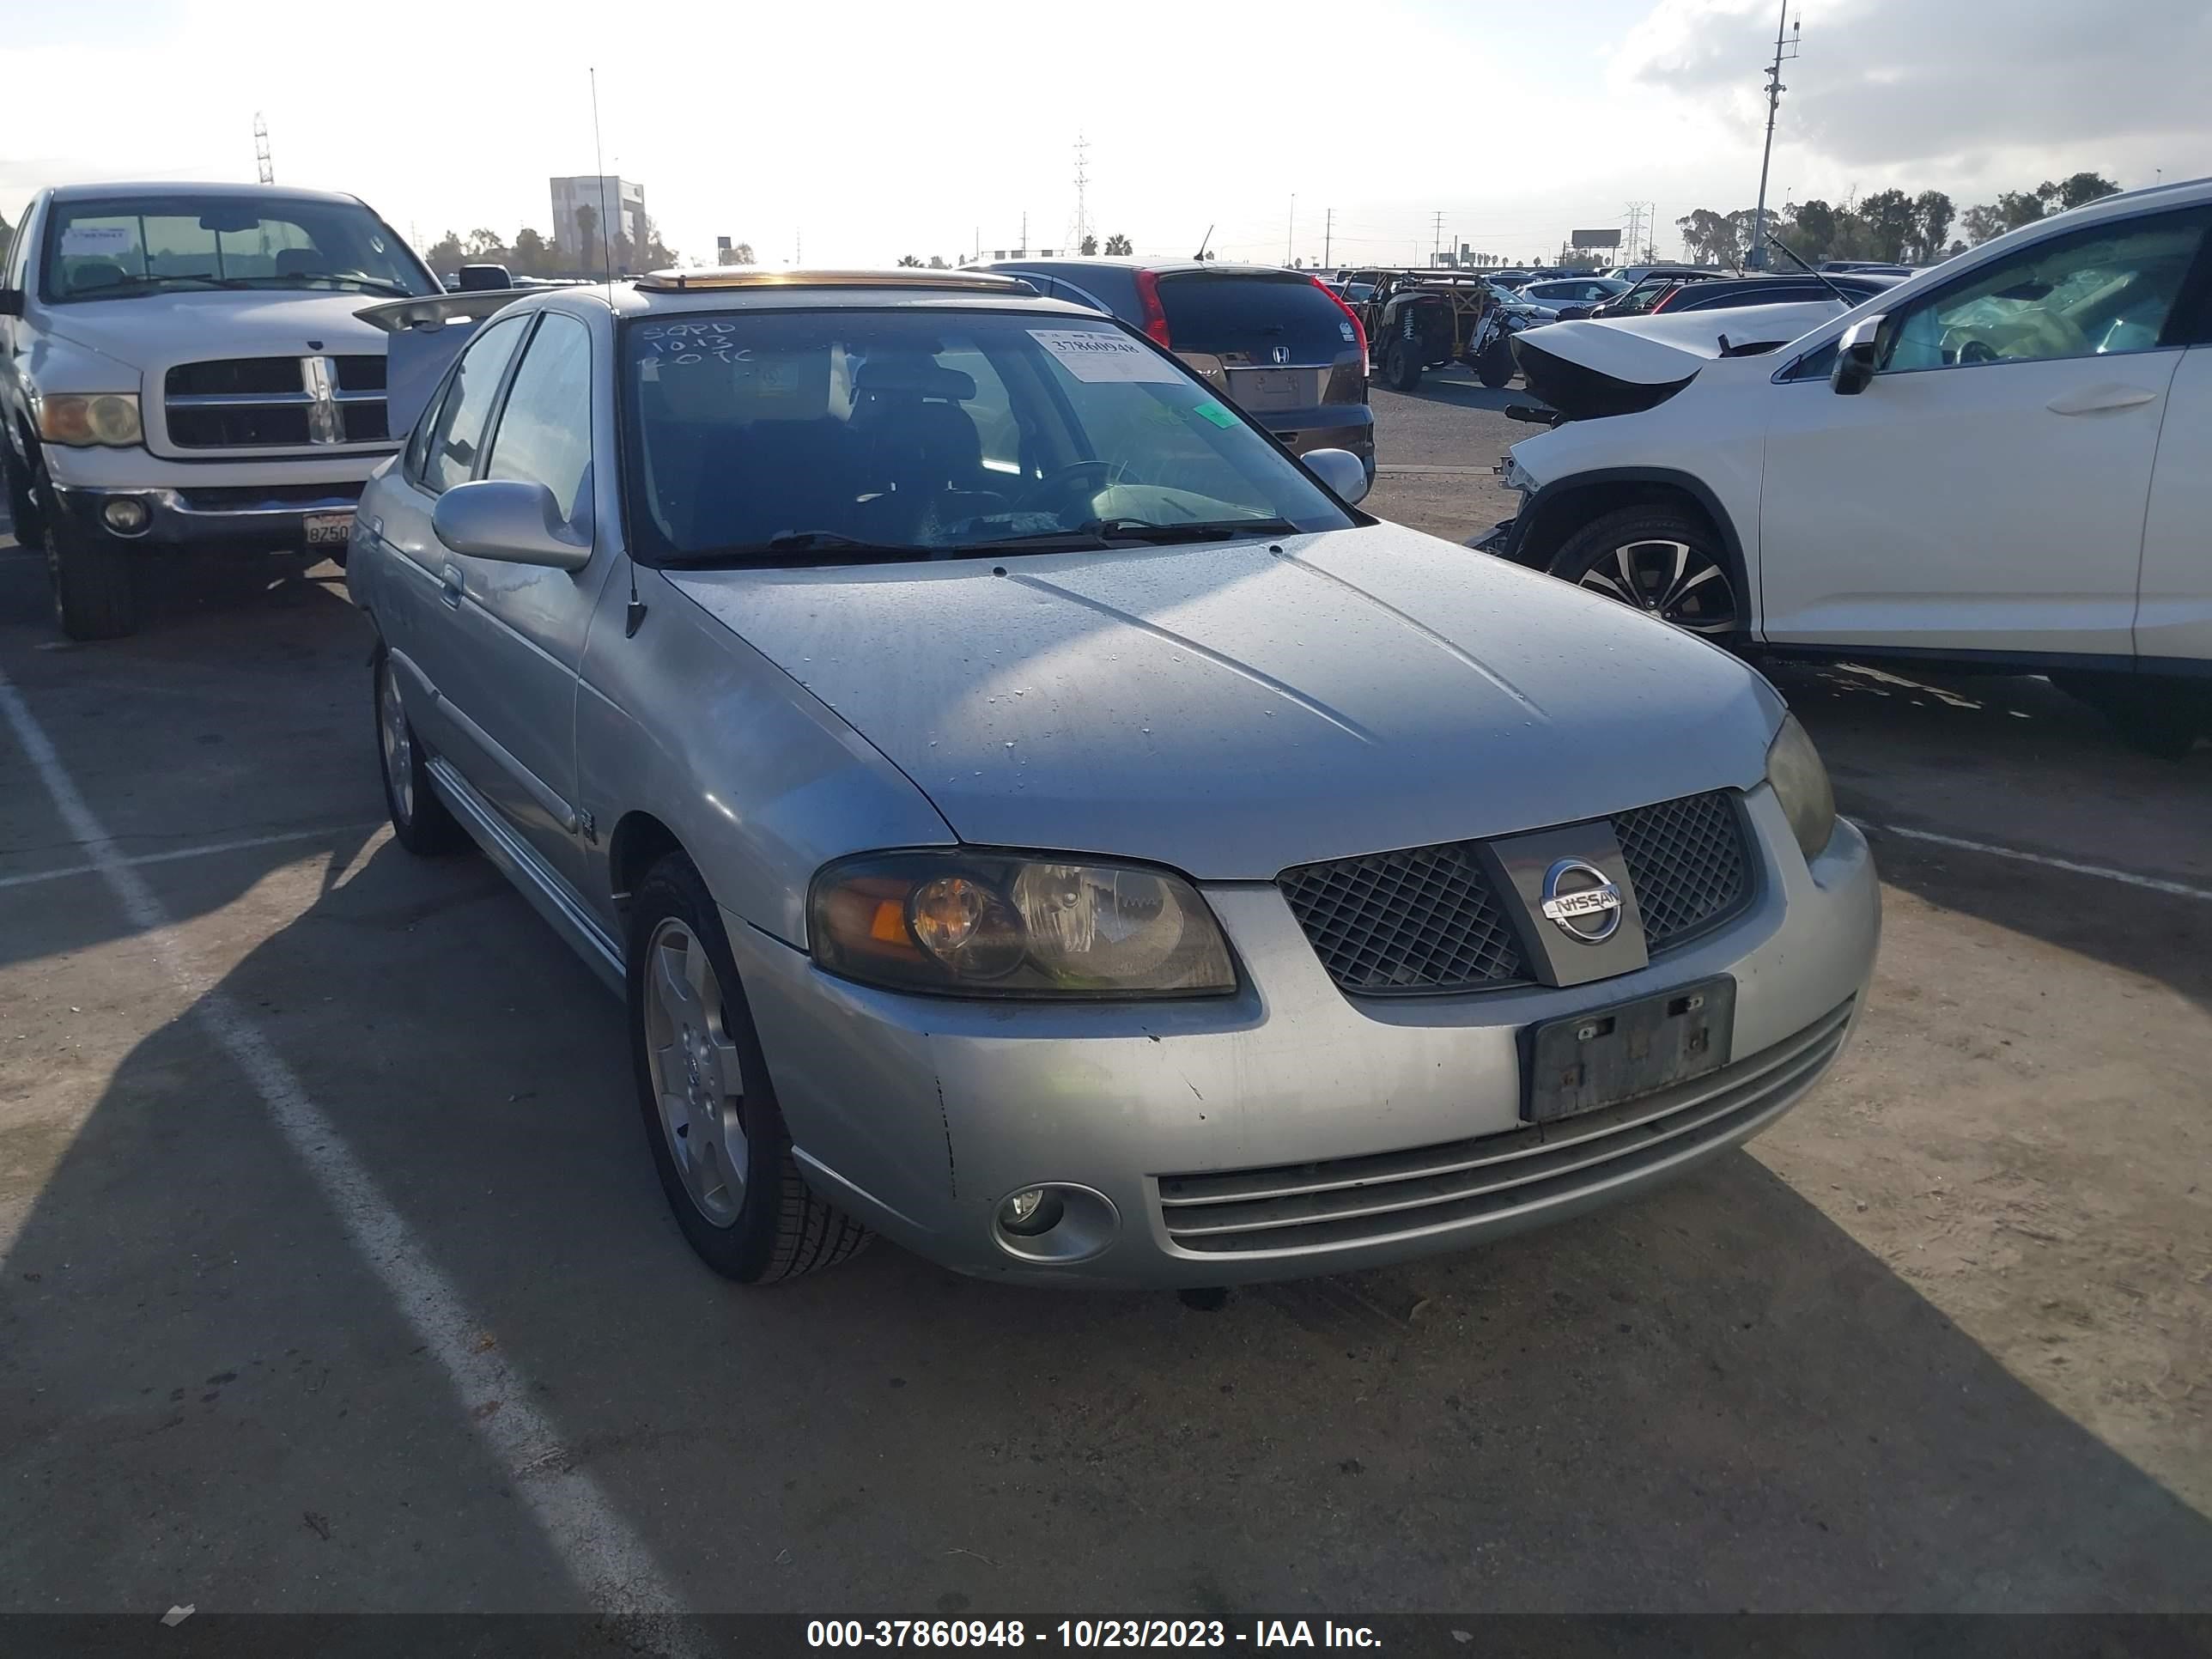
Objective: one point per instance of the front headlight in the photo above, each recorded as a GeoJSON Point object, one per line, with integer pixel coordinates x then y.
{"type": "Point", "coordinates": [996, 925]}
{"type": "Point", "coordinates": [1801, 784]}
{"type": "Point", "coordinates": [106, 417]}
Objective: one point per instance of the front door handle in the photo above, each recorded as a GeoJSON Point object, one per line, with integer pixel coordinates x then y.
{"type": "Point", "coordinates": [2096, 399]}
{"type": "Point", "coordinates": [449, 586]}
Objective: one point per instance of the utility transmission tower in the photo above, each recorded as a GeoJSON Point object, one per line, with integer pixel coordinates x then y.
{"type": "Point", "coordinates": [1785, 48]}
{"type": "Point", "coordinates": [1328, 238]}
{"type": "Point", "coordinates": [1082, 192]}
{"type": "Point", "coordinates": [261, 156]}
{"type": "Point", "coordinates": [1437, 242]}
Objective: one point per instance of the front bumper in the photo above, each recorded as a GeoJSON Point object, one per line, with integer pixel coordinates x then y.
{"type": "Point", "coordinates": [920, 1115]}
{"type": "Point", "coordinates": [247, 507]}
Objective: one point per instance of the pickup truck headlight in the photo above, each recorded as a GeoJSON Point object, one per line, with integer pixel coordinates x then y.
{"type": "Point", "coordinates": [106, 417]}
{"type": "Point", "coordinates": [1799, 782]}
{"type": "Point", "coordinates": [958, 923]}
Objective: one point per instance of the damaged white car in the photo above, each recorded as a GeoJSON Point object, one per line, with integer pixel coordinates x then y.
{"type": "Point", "coordinates": [1996, 463]}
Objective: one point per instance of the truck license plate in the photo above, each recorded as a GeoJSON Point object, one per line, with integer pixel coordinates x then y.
{"type": "Point", "coordinates": [1606, 1055]}
{"type": "Point", "coordinates": [329, 528]}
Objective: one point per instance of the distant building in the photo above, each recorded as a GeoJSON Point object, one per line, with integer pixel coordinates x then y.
{"type": "Point", "coordinates": [723, 253]}
{"type": "Point", "coordinates": [617, 208]}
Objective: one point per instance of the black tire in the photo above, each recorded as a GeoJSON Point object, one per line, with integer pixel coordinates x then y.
{"type": "Point", "coordinates": [1401, 364]}
{"type": "Point", "coordinates": [420, 820]}
{"type": "Point", "coordinates": [776, 1227]}
{"type": "Point", "coordinates": [22, 502]}
{"type": "Point", "coordinates": [2163, 718]}
{"type": "Point", "coordinates": [1630, 555]}
{"type": "Point", "coordinates": [1495, 367]}
{"type": "Point", "coordinates": [94, 585]}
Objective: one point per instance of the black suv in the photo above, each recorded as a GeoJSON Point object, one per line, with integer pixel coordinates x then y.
{"type": "Point", "coordinates": [1275, 343]}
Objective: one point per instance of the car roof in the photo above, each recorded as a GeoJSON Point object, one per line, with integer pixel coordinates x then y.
{"type": "Point", "coordinates": [746, 289]}
{"type": "Point", "coordinates": [203, 192]}
{"type": "Point", "coordinates": [1157, 267]}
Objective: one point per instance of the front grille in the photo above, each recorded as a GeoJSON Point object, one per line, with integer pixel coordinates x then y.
{"type": "Point", "coordinates": [277, 402]}
{"type": "Point", "coordinates": [1423, 920]}
{"type": "Point", "coordinates": [1428, 918]}
{"type": "Point", "coordinates": [1496, 1178]}
{"type": "Point", "coordinates": [270, 497]}
{"type": "Point", "coordinates": [1688, 862]}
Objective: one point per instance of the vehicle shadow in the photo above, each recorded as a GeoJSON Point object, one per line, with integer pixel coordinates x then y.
{"type": "Point", "coordinates": [2014, 762]}
{"type": "Point", "coordinates": [1716, 1399]}
{"type": "Point", "coordinates": [173, 729]}
{"type": "Point", "coordinates": [1460, 389]}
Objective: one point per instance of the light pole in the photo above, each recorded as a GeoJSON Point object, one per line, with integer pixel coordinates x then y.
{"type": "Point", "coordinates": [1756, 257]}
{"type": "Point", "coordinates": [1290, 235]}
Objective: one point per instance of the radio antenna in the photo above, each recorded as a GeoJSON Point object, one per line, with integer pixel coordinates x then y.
{"type": "Point", "coordinates": [1201, 254]}
{"type": "Point", "coordinates": [634, 616]}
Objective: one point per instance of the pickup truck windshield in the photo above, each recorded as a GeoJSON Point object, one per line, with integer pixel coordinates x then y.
{"type": "Point", "coordinates": [843, 434]}
{"type": "Point", "coordinates": [116, 248]}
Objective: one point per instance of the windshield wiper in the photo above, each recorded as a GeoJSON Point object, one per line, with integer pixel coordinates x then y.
{"type": "Point", "coordinates": [1112, 533]}
{"type": "Point", "coordinates": [137, 284]}
{"type": "Point", "coordinates": [799, 545]}
{"type": "Point", "coordinates": [293, 279]}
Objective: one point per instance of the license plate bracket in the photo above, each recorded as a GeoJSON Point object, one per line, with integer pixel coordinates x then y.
{"type": "Point", "coordinates": [329, 528]}
{"type": "Point", "coordinates": [1604, 1056]}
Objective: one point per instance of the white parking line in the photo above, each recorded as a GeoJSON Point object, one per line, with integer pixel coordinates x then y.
{"type": "Point", "coordinates": [604, 1554]}
{"type": "Point", "coordinates": [2153, 884]}
{"type": "Point", "coordinates": [206, 850]}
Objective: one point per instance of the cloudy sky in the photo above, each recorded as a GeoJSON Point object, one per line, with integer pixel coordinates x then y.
{"type": "Point", "coordinates": [873, 128]}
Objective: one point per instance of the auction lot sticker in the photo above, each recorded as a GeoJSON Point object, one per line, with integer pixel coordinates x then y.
{"type": "Point", "coordinates": [1096, 356]}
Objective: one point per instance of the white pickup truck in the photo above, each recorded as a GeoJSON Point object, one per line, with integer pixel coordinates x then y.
{"type": "Point", "coordinates": [180, 366]}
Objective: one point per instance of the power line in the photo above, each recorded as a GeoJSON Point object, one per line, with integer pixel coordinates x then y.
{"type": "Point", "coordinates": [1082, 190]}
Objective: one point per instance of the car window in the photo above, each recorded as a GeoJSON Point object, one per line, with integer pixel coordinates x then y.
{"type": "Point", "coordinates": [922, 428]}
{"type": "Point", "coordinates": [544, 433]}
{"type": "Point", "coordinates": [2102, 291]}
{"type": "Point", "coordinates": [1253, 316]}
{"type": "Point", "coordinates": [458, 424]}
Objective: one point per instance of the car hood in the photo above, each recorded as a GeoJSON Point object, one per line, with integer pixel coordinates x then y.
{"type": "Point", "coordinates": [1233, 711]}
{"type": "Point", "coordinates": [1621, 365]}
{"type": "Point", "coordinates": [153, 330]}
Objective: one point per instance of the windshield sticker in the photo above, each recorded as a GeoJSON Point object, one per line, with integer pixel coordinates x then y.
{"type": "Point", "coordinates": [1210, 411]}
{"type": "Point", "coordinates": [1089, 355]}
{"type": "Point", "coordinates": [80, 241]}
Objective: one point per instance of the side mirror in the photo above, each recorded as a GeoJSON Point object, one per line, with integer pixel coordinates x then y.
{"type": "Point", "coordinates": [1343, 472]}
{"type": "Point", "coordinates": [11, 301]}
{"type": "Point", "coordinates": [508, 520]}
{"type": "Point", "coordinates": [1858, 355]}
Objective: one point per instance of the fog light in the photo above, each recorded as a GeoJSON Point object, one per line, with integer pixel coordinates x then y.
{"type": "Point", "coordinates": [124, 516]}
{"type": "Point", "coordinates": [1030, 1211]}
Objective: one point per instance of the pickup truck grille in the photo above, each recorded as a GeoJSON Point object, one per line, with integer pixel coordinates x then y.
{"type": "Point", "coordinates": [276, 403]}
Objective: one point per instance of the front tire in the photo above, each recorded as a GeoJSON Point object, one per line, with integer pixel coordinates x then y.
{"type": "Point", "coordinates": [2161, 717]}
{"type": "Point", "coordinates": [23, 501]}
{"type": "Point", "coordinates": [718, 1140]}
{"type": "Point", "coordinates": [94, 586]}
{"type": "Point", "coordinates": [1662, 562]}
{"type": "Point", "coordinates": [1494, 368]}
{"type": "Point", "coordinates": [419, 821]}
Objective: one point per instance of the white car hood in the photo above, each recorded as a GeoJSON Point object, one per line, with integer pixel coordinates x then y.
{"type": "Point", "coordinates": [1235, 710]}
{"type": "Point", "coordinates": [1659, 350]}
{"type": "Point", "coordinates": [150, 330]}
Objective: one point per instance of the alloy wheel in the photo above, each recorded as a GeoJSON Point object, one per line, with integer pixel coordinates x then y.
{"type": "Point", "coordinates": [1671, 580]}
{"type": "Point", "coordinates": [396, 741]}
{"type": "Point", "coordinates": [697, 1078]}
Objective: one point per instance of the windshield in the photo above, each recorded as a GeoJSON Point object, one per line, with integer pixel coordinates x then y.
{"type": "Point", "coordinates": [113, 248]}
{"type": "Point", "coordinates": [782, 434]}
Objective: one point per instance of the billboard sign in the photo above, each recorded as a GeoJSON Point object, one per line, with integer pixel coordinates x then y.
{"type": "Point", "coordinates": [1595, 239]}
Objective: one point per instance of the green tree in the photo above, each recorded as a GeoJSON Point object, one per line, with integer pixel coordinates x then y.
{"type": "Point", "coordinates": [909, 261]}
{"type": "Point", "coordinates": [445, 256]}
{"type": "Point", "coordinates": [1889, 220]}
{"type": "Point", "coordinates": [659, 256]}
{"type": "Point", "coordinates": [1090, 245]}
{"type": "Point", "coordinates": [1710, 238]}
{"type": "Point", "coordinates": [2016, 208]}
{"type": "Point", "coordinates": [937, 263]}
{"type": "Point", "coordinates": [1812, 230]}
{"type": "Point", "coordinates": [2071, 192]}
{"type": "Point", "coordinates": [1932, 213]}
{"type": "Point", "coordinates": [481, 243]}
{"type": "Point", "coordinates": [530, 256]}
{"type": "Point", "coordinates": [1980, 222]}
{"type": "Point", "coordinates": [1118, 244]}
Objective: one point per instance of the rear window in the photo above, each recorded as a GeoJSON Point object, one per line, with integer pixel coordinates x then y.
{"type": "Point", "coordinates": [1253, 315]}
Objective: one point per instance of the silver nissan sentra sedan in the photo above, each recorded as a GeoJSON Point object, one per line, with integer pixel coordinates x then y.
{"type": "Point", "coordinates": [1030, 814]}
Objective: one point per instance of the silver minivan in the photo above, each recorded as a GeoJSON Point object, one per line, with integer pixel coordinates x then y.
{"type": "Point", "coordinates": [1027, 815]}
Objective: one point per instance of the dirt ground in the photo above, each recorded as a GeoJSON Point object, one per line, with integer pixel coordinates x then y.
{"type": "Point", "coordinates": [1940, 1341]}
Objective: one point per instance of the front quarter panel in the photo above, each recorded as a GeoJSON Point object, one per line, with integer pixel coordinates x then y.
{"type": "Point", "coordinates": [760, 783]}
